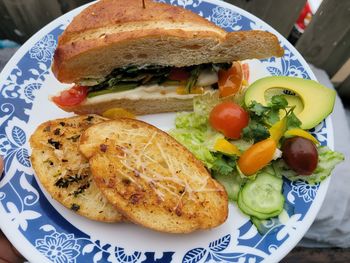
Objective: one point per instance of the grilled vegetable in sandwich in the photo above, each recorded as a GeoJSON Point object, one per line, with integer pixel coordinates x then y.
{"type": "Point", "coordinates": [147, 60]}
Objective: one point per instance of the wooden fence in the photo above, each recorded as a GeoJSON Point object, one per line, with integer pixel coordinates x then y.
{"type": "Point", "coordinates": [325, 43]}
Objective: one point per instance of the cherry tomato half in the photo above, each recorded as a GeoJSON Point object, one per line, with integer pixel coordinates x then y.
{"type": "Point", "coordinates": [229, 118]}
{"type": "Point", "coordinates": [230, 81]}
{"type": "Point", "coordinates": [179, 74]}
{"type": "Point", "coordinates": [71, 97]}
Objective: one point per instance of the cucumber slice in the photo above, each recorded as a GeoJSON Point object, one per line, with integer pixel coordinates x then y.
{"type": "Point", "coordinates": [251, 212]}
{"type": "Point", "coordinates": [232, 184]}
{"type": "Point", "coordinates": [264, 226]}
{"type": "Point", "coordinates": [262, 197]}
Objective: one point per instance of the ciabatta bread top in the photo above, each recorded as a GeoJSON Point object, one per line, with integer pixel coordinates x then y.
{"type": "Point", "coordinates": [151, 178]}
{"type": "Point", "coordinates": [118, 33]}
{"type": "Point", "coordinates": [64, 172]}
{"type": "Point", "coordinates": [125, 15]}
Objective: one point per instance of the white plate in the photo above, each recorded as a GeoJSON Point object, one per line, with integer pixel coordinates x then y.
{"type": "Point", "coordinates": [44, 231]}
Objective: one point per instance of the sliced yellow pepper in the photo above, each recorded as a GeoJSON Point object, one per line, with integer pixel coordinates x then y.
{"type": "Point", "coordinates": [116, 113]}
{"type": "Point", "coordinates": [181, 90]}
{"type": "Point", "coordinates": [301, 133]}
{"type": "Point", "coordinates": [224, 146]}
{"type": "Point", "coordinates": [278, 129]}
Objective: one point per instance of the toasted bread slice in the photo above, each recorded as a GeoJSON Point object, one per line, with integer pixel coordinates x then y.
{"type": "Point", "coordinates": [152, 179]}
{"type": "Point", "coordinates": [117, 33]}
{"type": "Point", "coordinates": [64, 172]}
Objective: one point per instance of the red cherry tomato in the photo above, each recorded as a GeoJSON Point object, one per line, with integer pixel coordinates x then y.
{"type": "Point", "coordinates": [230, 81]}
{"type": "Point", "coordinates": [71, 97]}
{"type": "Point", "coordinates": [179, 74]}
{"type": "Point", "coordinates": [229, 118]}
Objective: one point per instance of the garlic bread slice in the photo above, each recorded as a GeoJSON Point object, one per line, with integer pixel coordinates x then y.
{"type": "Point", "coordinates": [64, 172]}
{"type": "Point", "coordinates": [151, 178]}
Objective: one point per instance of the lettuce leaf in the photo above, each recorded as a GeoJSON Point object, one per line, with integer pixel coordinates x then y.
{"type": "Point", "coordinates": [198, 142]}
{"type": "Point", "coordinates": [202, 105]}
{"type": "Point", "coordinates": [327, 160]}
{"type": "Point", "coordinates": [191, 120]}
{"type": "Point", "coordinates": [232, 183]}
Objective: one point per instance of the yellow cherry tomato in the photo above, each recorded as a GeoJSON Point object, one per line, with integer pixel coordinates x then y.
{"type": "Point", "coordinates": [257, 156]}
{"type": "Point", "coordinates": [116, 113]}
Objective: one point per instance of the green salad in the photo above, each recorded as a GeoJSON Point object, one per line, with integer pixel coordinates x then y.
{"type": "Point", "coordinates": [250, 147]}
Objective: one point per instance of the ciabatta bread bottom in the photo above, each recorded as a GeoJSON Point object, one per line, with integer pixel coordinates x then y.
{"type": "Point", "coordinates": [140, 106]}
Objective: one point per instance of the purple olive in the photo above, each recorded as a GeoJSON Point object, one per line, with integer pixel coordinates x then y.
{"type": "Point", "coordinates": [300, 154]}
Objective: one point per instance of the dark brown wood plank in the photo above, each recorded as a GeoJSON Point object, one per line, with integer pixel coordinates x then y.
{"type": "Point", "coordinates": [67, 5]}
{"type": "Point", "coordinates": [326, 41]}
{"type": "Point", "coordinates": [281, 15]}
{"type": "Point", "coordinates": [318, 255]}
{"type": "Point", "coordinates": [31, 15]}
{"type": "Point", "coordinates": [344, 89]}
{"type": "Point", "coordinates": [7, 27]}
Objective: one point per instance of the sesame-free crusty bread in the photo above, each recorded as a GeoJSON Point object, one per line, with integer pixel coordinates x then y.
{"type": "Point", "coordinates": [116, 33]}
{"type": "Point", "coordinates": [64, 172]}
{"type": "Point", "coordinates": [152, 179]}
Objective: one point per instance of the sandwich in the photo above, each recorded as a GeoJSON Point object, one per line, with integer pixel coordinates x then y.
{"type": "Point", "coordinates": [64, 172]}
{"type": "Point", "coordinates": [147, 58]}
{"type": "Point", "coordinates": [152, 179]}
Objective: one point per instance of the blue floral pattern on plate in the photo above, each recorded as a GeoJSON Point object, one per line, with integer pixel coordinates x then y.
{"type": "Point", "coordinates": [58, 247]}
{"type": "Point", "coordinates": [27, 211]}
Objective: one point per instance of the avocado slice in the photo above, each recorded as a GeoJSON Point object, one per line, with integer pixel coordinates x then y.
{"type": "Point", "coordinates": [313, 101]}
